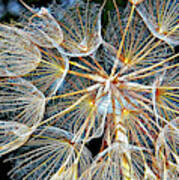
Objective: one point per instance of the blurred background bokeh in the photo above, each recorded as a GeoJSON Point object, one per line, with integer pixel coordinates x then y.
{"type": "Point", "coordinates": [12, 9]}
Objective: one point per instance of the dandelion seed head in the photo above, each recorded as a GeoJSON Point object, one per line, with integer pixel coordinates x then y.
{"type": "Point", "coordinates": [69, 77]}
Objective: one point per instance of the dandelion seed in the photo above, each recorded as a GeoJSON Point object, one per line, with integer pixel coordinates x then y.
{"type": "Point", "coordinates": [139, 49]}
{"type": "Point", "coordinates": [166, 95]}
{"type": "Point", "coordinates": [42, 29]}
{"type": "Point", "coordinates": [86, 114]}
{"type": "Point", "coordinates": [47, 154]}
{"type": "Point", "coordinates": [21, 101]}
{"type": "Point", "coordinates": [81, 26]}
{"type": "Point", "coordinates": [22, 106]}
{"type": "Point", "coordinates": [51, 72]}
{"type": "Point", "coordinates": [167, 149]}
{"type": "Point", "coordinates": [18, 55]}
{"type": "Point", "coordinates": [12, 136]}
{"type": "Point", "coordinates": [108, 164]}
{"type": "Point", "coordinates": [161, 17]}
